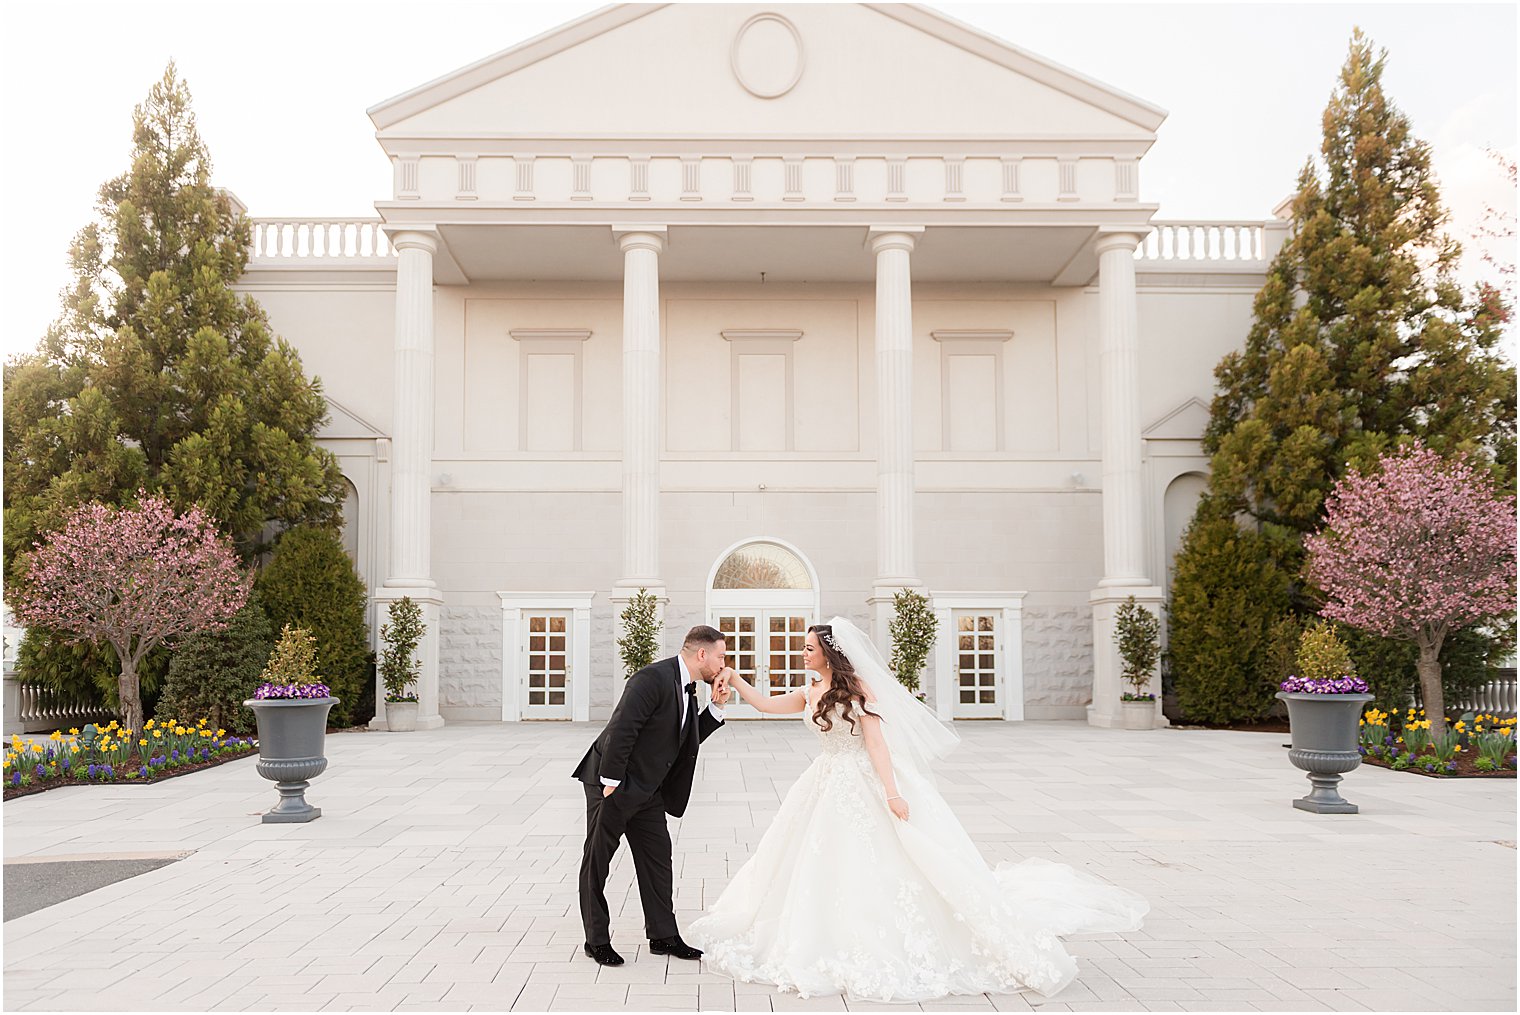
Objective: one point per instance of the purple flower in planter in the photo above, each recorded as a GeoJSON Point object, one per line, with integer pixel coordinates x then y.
{"type": "Point", "coordinates": [108, 772]}
{"type": "Point", "coordinates": [91, 772]}
{"type": "Point", "coordinates": [142, 772]}
{"type": "Point", "coordinates": [15, 778]}
{"type": "Point", "coordinates": [285, 691]}
{"type": "Point", "coordinates": [205, 753]}
{"type": "Point", "coordinates": [1338, 685]}
{"type": "Point", "coordinates": [41, 771]}
{"type": "Point", "coordinates": [174, 754]}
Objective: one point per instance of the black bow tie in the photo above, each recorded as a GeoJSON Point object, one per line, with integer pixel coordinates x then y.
{"type": "Point", "coordinates": [691, 688]}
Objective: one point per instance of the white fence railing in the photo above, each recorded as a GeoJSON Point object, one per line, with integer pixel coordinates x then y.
{"type": "Point", "coordinates": [1496, 697]}
{"type": "Point", "coordinates": [33, 708]}
{"type": "Point", "coordinates": [1204, 241]}
{"type": "Point", "coordinates": [311, 239]}
{"type": "Point", "coordinates": [306, 239]}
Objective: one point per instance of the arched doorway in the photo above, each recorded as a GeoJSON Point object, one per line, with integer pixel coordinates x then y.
{"type": "Point", "coordinates": [763, 594]}
{"type": "Point", "coordinates": [1181, 500]}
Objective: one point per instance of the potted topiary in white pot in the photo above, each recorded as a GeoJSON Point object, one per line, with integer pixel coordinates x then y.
{"type": "Point", "coordinates": [1325, 700]}
{"type": "Point", "coordinates": [291, 706]}
{"type": "Point", "coordinates": [399, 664]}
{"type": "Point", "coordinates": [1138, 635]}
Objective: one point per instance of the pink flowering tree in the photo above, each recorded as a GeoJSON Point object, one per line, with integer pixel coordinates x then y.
{"type": "Point", "coordinates": [1416, 550]}
{"type": "Point", "coordinates": [132, 577]}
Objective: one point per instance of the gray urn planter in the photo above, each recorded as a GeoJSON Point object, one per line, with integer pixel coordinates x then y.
{"type": "Point", "coordinates": [1324, 730]}
{"type": "Point", "coordinates": [292, 738]}
{"type": "Point", "coordinates": [401, 716]}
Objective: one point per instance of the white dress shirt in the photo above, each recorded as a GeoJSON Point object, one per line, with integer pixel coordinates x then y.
{"type": "Point", "coordinates": [686, 680]}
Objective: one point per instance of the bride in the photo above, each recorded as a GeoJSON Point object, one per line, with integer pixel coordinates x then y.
{"type": "Point", "coordinates": [866, 884]}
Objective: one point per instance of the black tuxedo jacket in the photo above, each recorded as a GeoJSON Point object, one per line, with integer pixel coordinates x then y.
{"type": "Point", "coordinates": [643, 747]}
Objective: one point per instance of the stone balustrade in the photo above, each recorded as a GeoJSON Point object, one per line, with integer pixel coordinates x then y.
{"type": "Point", "coordinates": [1205, 241]}
{"type": "Point", "coordinates": [307, 239]}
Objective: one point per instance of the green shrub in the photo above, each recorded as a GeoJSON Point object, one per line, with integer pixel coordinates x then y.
{"type": "Point", "coordinates": [1321, 656]}
{"type": "Point", "coordinates": [1227, 593]}
{"type": "Point", "coordinates": [212, 673]}
{"type": "Point", "coordinates": [310, 582]}
{"type": "Point", "coordinates": [293, 661]}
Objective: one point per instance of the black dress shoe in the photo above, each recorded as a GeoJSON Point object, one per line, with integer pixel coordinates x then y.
{"type": "Point", "coordinates": [604, 955]}
{"type": "Point", "coordinates": [673, 946]}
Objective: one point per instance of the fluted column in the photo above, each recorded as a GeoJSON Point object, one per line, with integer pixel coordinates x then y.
{"type": "Point", "coordinates": [895, 566]}
{"type": "Point", "coordinates": [1118, 340]}
{"type": "Point", "coordinates": [641, 247]}
{"type": "Point", "coordinates": [641, 406]}
{"type": "Point", "coordinates": [409, 571]}
{"type": "Point", "coordinates": [1123, 498]}
{"type": "Point", "coordinates": [412, 412]}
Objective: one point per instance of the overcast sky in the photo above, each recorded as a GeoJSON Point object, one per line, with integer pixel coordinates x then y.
{"type": "Point", "coordinates": [280, 91]}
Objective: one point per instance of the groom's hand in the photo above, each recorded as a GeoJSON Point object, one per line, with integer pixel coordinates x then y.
{"type": "Point", "coordinates": [721, 689]}
{"type": "Point", "coordinates": [607, 791]}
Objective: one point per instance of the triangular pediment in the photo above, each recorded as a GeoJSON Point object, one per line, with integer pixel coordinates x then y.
{"type": "Point", "coordinates": [1187, 422]}
{"type": "Point", "coordinates": [343, 423]}
{"type": "Point", "coordinates": [792, 70]}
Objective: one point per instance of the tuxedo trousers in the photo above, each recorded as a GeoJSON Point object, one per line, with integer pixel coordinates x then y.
{"type": "Point", "coordinates": [643, 825]}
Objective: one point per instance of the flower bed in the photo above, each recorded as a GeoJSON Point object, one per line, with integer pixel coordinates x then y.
{"type": "Point", "coordinates": [165, 749]}
{"type": "Point", "coordinates": [1486, 748]}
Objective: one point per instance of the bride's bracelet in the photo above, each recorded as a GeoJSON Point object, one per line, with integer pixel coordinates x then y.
{"type": "Point", "coordinates": [891, 798]}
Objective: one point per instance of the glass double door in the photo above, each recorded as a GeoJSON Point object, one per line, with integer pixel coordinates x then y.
{"type": "Point", "coordinates": [765, 648]}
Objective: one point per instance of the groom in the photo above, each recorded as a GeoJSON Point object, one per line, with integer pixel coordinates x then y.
{"type": "Point", "coordinates": [636, 772]}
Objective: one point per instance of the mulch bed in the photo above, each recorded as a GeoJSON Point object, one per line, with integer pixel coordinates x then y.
{"type": "Point", "coordinates": [1261, 726]}
{"type": "Point", "coordinates": [11, 792]}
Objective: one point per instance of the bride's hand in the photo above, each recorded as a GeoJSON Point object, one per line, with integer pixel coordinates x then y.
{"type": "Point", "coordinates": [899, 808]}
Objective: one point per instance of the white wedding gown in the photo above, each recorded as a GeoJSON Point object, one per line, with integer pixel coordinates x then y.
{"type": "Point", "coordinates": [842, 897]}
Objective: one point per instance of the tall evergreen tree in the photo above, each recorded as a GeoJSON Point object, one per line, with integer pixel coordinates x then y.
{"type": "Point", "coordinates": [1361, 333]}
{"type": "Point", "coordinates": [1361, 339]}
{"type": "Point", "coordinates": [157, 374]}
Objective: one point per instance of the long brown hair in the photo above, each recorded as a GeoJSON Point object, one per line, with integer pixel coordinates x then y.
{"type": "Point", "coordinates": [844, 688]}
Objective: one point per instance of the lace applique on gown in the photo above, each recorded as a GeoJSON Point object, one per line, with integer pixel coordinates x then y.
{"type": "Point", "coordinates": [929, 918]}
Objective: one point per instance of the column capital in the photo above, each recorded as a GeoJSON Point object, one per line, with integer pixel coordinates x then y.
{"type": "Point", "coordinates": [1127, 239]}
{"type": "Point", "coordinates": [413, 237]}
{"type": "Point", "coordinates": [881, 238]}
{"type": "Point", "coordinates": [639, 237]}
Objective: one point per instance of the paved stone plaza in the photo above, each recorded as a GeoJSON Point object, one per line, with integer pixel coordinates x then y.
{"type": "Point", "coordinates": [442, 876]}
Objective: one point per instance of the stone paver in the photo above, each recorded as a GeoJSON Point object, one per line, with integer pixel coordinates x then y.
{"type": "Point", "coordinates": [442, 876]}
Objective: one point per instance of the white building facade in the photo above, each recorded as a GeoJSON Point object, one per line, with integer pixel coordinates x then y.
{"type": "Point", "coordinates": [774, 312]}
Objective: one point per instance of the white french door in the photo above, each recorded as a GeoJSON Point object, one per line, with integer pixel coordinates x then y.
{"type": "Point", "coordinates": [978, 664]}
{"type": "Point", "coordinates": [547, 675]}
{"type": "Point", "coordinates": [765, 648]}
